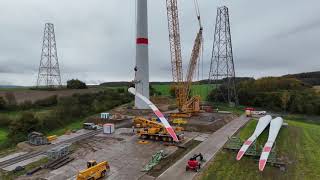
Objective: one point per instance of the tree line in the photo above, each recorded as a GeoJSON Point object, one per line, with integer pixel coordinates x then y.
{"type": "Point", "coordinates": [65, 111]}
{"type": "Point", "coordinates": [274, 93]}
{"type": "Point", "coordinates": [312, 78]}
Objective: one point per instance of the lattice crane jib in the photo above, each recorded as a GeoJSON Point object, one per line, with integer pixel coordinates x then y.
{"type": "Point", "coordinates": [182, 86]}
{"type": "Point", "coordinates": [195, 56]}
{"type": "Point", "coordinates": [175, 50]}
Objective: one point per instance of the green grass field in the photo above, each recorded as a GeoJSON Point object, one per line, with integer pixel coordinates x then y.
{"type": "Point", "coordinates": [238, 110]}
{"type": "Point", "coordinates": [16, 114]}
{"type": "Point", "coordinates": [76, 125]}
{"type": "Point", "coordinates": [3, 134]}
{"type": "Point", "coordinates": [197, 89]}
{"type": "Point", "coordinates": [298, 144]}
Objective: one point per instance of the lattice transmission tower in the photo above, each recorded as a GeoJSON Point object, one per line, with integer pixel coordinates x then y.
{"type": "Point", "coordinates": [222, 64]}
{"type": "Point", "coordinates": [49, 72]}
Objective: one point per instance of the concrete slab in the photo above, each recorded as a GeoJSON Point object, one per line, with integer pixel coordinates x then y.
{"type": "Point", "coordinates": [202, 137]}
{"type": "Point", "coordinates": [147, 177]}
{"type": "Point", "coordinates": [12, 156]}
{"type": "Point", "coordinates": [208, 148]}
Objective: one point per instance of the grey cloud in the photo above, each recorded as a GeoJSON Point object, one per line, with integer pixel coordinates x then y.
{"type": "Point", "coordinates": [96, 39]}
{"type": "Point", "coordinates": [300, 29]}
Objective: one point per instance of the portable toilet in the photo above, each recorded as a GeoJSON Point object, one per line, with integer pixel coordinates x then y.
{"type": "Point", "coordinates": [108, 128]}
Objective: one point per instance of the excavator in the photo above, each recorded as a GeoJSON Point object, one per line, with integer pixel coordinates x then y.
{"type": "Point", "coordinates": [153, 130]}
{"type": "Point", "coordinates": [186, 105]}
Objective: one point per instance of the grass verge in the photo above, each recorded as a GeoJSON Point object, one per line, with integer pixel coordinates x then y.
{"type": "Point", "coordinates": [75, 125]}
{"type": "Point", "coordinates": [297, 145]}
{"type": "Point", "coordinates": [197, 89]}
{"type": "Point", "coordinates": [3, 134]}
{"type": "Point", "coordinates": [238, 110]}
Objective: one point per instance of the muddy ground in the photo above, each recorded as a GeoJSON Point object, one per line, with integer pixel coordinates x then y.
{"type": "Point", "coordinates": [207, 122]}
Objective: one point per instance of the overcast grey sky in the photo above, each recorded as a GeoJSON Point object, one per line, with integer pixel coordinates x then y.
{"type": "Point", "coordinates": [96, 38]}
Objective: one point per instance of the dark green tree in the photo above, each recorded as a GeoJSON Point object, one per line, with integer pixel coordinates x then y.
{"type": "Point", "coordinates": [76, 84]}
{"type": "Point", "coordinates": [3, 103]}
{"type": "Point", "coordinates": [19, 128]}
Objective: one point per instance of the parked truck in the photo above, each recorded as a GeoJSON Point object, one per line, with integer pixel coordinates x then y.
{"type": "Point", "coordinates": [94, 171]}
{"type": "Point", "coordinates": [252, 112]}
{"type": "Point", "coordinates": [90, 126]}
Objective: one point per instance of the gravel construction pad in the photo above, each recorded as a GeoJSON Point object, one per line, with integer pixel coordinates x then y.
{"type": "Point", "coordinates": [123, 152]}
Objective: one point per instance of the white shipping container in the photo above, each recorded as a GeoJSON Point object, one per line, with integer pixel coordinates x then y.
{"type": "Point", "coordinates": [104, 115]}
{"type": "Point", "coordinates": [108, 128]}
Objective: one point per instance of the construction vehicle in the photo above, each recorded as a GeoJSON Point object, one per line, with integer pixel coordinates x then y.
{"type": "Point", "coordinates": [153, 130]}
{"type": "Point", "coordinates": [193, 163]}
{"type": "Point", "coordinates": [90, 126]}
{"type": "Point", "coordinates": [94, 171]}
{"type": "Point", "coordinates": [186, 105]}
{"type": "Point", "coordinates": [250, 112]}
{"type": "Point", "coordinates": [139, 122]}
{"type": "Point", "coordinates": [179, 121]}
{"type": "Point", "coordinates": [52, 138]}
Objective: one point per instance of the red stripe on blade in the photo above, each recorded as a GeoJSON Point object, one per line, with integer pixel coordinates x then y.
{"type": "Point", "coordinates": [172, 134]}
{"type": "Point", "coordinates": [158, 113]}
{"type": "Point", "coordinates": [142, 41]}
{"type": "Point", "coordinates": [266, 149]}
{"type": "Point", "coordinates": [240, 154]}
{"type": "Point", "coordinates": [262, 164]}
{"type": "Point", "coordinates": [248, 142]}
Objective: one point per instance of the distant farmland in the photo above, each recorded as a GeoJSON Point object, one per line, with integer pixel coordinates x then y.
{"type": "Point", "coordinates": [25, 94]}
